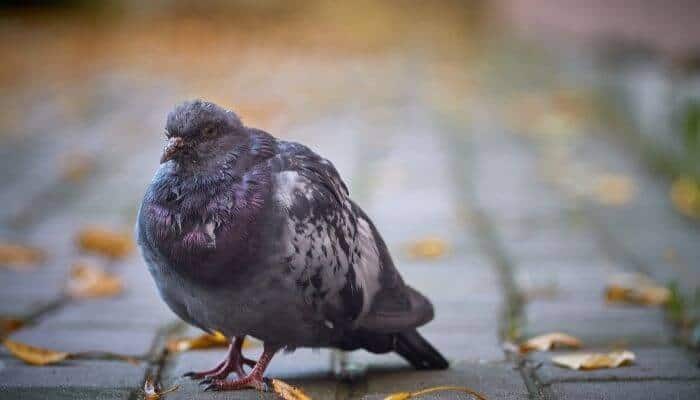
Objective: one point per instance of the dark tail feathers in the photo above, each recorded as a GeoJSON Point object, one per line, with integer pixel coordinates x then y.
{"type": "Point", "coordinates": [416, 350]}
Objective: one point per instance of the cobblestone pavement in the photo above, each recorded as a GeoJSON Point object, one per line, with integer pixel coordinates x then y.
{"type": "Point", "coordinates": [527, 255]}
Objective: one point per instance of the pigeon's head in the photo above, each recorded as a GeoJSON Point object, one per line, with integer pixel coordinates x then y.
{"type": "Point", "coordinates": [199, 131]}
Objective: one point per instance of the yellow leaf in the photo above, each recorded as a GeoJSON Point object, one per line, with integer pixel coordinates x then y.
{"type": "Point", "coordinates": [76, 166]}
{"type": "Point", "coordinates": [89, 281]}
{"type": "Point", "coordinates": [548, 341]}
{"type": "Point", "coordinates": [152, 390]}
{"type": "Point", "coordinates": [204, 341]}
{"type": "Point", "coordinates": [398, 396]}
{"type": "Point", "coordinates": [34, 355]}
{"type": "Point", "coordinates": [287, 391]}
{"type": "Point", "coordinates": [636, 289]}
{"type": "Point", "coordinates": [685, 195]}
{"type": "Point", "coordinates": [614, 189]}
{"type": "Point", "coordinates": [111, 244]}
{"type": "Point", "coordinates": [410, 395]}
{"type": "Point", "coordinates": [18, 256]}
{"type": "Point", "coordinates": [428, 248]}
{"type": "Point", "coordinates": [588, 361]}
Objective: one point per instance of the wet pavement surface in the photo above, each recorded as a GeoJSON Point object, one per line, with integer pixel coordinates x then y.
{"type": "Point", "coordinates": [430, 147]}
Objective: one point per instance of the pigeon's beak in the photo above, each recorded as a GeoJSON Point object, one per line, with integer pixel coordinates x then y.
{"type": "Point", "coordinates": [174, 146]}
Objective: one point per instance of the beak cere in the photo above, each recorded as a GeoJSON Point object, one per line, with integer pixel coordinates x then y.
{"type": "Point", "coordinates": [171, 150]}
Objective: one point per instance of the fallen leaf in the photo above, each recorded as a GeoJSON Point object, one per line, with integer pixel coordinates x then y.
{"type": "Point", "coordinates": [18, 256]}
{"type": "Point", "coordinates": [34, 355]}
{"type": "Point", "coordinates": [588, 361]}
{"type": "Point", "coordinates": [685, 195]}
{"type": "Point", "coordinates": [76, 166]}
{"type": "Point", "coordinates": [549, 341]}
{"type": "Point", "coordinates": [636, 289]}
{"type": "Point", "coordinates": [109, 243]}
{"type": "Point", "coordinates": [428, 248]}
{"type": "Point", "coordinates": [152, 390]}
{"type": "Point", "coordinates": [204, 341]}
{"type": "Point", "coordinates": [89, 281]}
{"type": "Point", "coordinates": [9, 325]}
{"type": "Point", "coordinates": [614, 189]}
{"type": "Point", "coordinates": [410, 395]}
{"type": "Point", "coordinates": [41, 356]}
{"type": "Point", "coordinates": [287, 391]}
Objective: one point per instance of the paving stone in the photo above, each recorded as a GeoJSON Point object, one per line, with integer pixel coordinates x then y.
{"type": "Point", "coordinates": [599, 324]}
{"type": "Point", "coordinates": [651, 363]}
{"type": "Point", "coordinates": [59, 393]}
{"type": "Point", "coordinates": [667, 252]}
{"type": "Point", "coordinates": [12, 305]}
{"type": "Point", "coordinates": [640, 390]}
{"type": "Point", "coordinates": [443, 283]}
{"type": "Point", "coordinates": [87, 374]}
{"type": "Point", "coordinates": [23, 293]}
{"type": "Point", "coordinates": [132, 311]}
{"type": "Point", "coordinates": [133, 341]}
{"type": "Point", "coordinates": [564, 280]}
{"type": "Point", "coordinates": [494, 380]}
{"type": "Point", "coordinates": [548, 243]}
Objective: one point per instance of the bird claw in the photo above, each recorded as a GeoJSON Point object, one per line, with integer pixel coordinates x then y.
{"type": "Point", "coordinates": [206, 381]}
{"type": "Point", "coordinates": [212, 388]}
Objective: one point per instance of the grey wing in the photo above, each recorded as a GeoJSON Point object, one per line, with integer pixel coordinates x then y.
{"type": "Point", "coordinates": [395, 306]}
{"type": "Point", "coordinates": [340, 262]}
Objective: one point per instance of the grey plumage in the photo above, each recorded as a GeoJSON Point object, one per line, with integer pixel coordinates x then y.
{"type": "Point", "coordinates": [250, 235]}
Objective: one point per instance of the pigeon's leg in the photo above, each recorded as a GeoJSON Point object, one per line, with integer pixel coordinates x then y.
{"type": "Point", "coordinates": [233, 362]}
{"type": "Point", "coordinates": [254, 379]}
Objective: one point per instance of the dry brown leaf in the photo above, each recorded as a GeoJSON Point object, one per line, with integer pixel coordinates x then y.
{"type": "Point", "coordinates": [18, 256]}
{"type": "Point", "coordinates": [34, 355]}
{"type": "Point", "coordinates": [9, 325]}
{"type": "Point", "coordinates": [287, 391]}
{"type": "Point", "coordinates": [89, 281]}
{"type": "Point", "coordinates": [636, 289]}
{"type": "Point", "coordinates": [152, 390]}
{"type": "Point", "coordinates": [588, 361]}
{"type": "Point", "coordinates": [41, 356]}
{"type": "Point", "coordinates": [109, 243]}
{"type": "Point", "coordinates": [410, 395]}
{"type": "Point", "coordinates": [614, 189]}
{"type": "Point", "coordinates": [204, 341]}
{"type": "Point", "coordinates": [428, 248]}
{"type": "Point", "coordinates": [549, 341]}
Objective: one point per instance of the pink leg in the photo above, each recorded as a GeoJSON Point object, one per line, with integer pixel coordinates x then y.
{"type": "Point", "coordinates": [253, 380]}
{"type": "Point", "coordinates": [232, 363]}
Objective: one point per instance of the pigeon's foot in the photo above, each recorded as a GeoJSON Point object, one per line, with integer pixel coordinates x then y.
{"type": "Point", "coordinates": [233, 362]}
{"type": "Point", "coordinates": [254, 380]}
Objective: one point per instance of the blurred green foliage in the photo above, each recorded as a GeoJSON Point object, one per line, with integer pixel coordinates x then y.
{"type": "Point", "coordinates": [691, 126]}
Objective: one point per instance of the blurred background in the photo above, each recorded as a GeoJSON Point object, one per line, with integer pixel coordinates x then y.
{"type": "Point", "coordinates": [566, 128]}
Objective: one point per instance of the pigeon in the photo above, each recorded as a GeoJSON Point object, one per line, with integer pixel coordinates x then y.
{"type": "Point", "coordinates": [249, 235]}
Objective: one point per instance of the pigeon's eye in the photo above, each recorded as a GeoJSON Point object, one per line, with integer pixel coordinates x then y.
{"type": "Point", "coordinates": [209, 131]}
